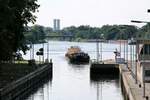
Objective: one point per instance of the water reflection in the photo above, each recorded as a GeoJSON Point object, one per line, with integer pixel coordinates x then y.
{"type": "Point", "coordinates": [43, 93]}
{"type": "Point", "coordinates": [107, 87]}
{"type": "Point", "coordinates": [100, 77]}
{"type": "Point", "coordinates": [78, 68]}
{"type": "Point", "coordinates": [38, 91]}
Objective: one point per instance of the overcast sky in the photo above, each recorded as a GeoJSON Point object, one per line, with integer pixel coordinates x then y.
{"type": "Point", "coordinates": [92, 12]}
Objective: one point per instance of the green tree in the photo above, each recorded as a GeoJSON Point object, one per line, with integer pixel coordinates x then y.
{"type": "Point", "coordinates": [14, 16]}
{"type": "Point", "coordinates": [127, 31]}
{"type": "Point", "coordinates": [144, 32]}
{"type": "Point", "coordinates": [114, 32]}
{"type": "Point", "coordinates": [35, 34]}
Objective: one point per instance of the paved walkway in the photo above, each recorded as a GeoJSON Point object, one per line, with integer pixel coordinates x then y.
{"type": "Point", "coordinates": [133, 90]}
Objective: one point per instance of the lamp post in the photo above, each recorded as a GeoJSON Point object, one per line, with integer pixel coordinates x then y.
{"type": "Point", "coordinates": [102, 38]}
{"type": "Point", "coordinates": [135, 21]}
{"type": "Point", "coordinates": [97, 47]}
{"type": "Point", "coordinates": [122, 32]}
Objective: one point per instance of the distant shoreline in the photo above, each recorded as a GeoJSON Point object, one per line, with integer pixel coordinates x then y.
{"type": "Point", "coordinates": [87, 40]}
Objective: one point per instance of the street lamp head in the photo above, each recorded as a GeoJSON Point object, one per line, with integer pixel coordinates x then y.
{"type": "Point", "coordinates": [134, 21]}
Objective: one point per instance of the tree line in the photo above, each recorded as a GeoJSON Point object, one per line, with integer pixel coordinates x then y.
{"type": "Point", "coordinates": [37, 33]}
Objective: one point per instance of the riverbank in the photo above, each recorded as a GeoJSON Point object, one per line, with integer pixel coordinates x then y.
{"type": "Point", "coordinates": [16, 79]}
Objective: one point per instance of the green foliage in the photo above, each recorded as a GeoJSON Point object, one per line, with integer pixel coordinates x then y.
{"type": "Point", "coordinates": [144, 32]}
{"type": "Point", "coordinates": [14, 15]}
{"type": "Point", "coordinates": [35, 34]}
{"type": "Point", "coordinates": [38, 33]}
{"type": "Point", "coordinates": [110, 32]}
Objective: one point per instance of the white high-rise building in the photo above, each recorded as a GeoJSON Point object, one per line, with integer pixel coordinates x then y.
{"type": "Point", "coordinates": [56, 25]}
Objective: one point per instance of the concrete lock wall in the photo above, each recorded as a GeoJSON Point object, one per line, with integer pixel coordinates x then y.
{"type": "Point", "coordinates": [26, 83]}
{"type": "Point", "coordinates": [125, 88]}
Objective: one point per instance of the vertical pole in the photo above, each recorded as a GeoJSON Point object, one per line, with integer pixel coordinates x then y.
{"type": "Point", "coordinates": [124, 50]}
{"type": "Point", "coordinates": [43, 93]}
{"type": "Point", "coordinates": [143, 72]}
{"type": "Point", "coordinates": [39, 59]}
{"type": "Point", "coordinates": [127, 53]}
{"type": "Point", "coordinates": [133, 61]}
{"type": "Point", "coordinates": [101, 51]}
{"type": "Point", "coordinates": [97, 91]}
{"type": "Point", "coordinates": [102, 90]}
{"type": "Point", "coordinates": [131, 57]}
{"type": "Point", "coordinates": [120, 44]}
{"type": "Point", "coordinates": [48, 91]}
{"type": "Point", "coordinates": [48, 51]}
{"type": "Point", "coordinates": [32, 97]}
{"type": "Point", "coordinates": [120, 47]}
{"type": "Point", "coordinates": [43, 52]}
{"type": "Point", "coordinates": [148, 50]}
{"type": "Point", "coordinates": [144, 81]}
{"type": "Point", "coordinates": [136, 61]}
{"type": "Point", "coordinates": [97, 45]}
{"type": "Point", "coordinates": [32, 51]}
{"type": "Point", "coordinates": [144, 89]}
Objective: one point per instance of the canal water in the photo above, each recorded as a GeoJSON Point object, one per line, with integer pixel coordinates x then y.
{"type": "Point", "coordinates": [73, 82]}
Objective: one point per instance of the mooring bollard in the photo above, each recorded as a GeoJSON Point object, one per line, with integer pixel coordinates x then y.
{"type": "Point", "coordinates": [50, 60]}
{"type": "Point", "coordinates": [46, 61]}
{"type": "Point", "coordinates": [147, 98]}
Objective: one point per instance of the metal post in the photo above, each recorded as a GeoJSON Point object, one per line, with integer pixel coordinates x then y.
{"type": "Point", "coordinates": [102, 90]}
{"type": "Point", "coordinates": [120, 47]}
{"type": "Point", "coordinates": [32, 51]}
{"type": "Point", "coordinates": [127, 53]}
{"type": "Point", "coordinates": [97, 45]}
{"type": "Point", "coordinates": [32, 97]}
{"type": "Point", "coordinates": [39, 59]}
{"type": "Point", "coordinates": [48, 51]}
{"type": "Point", "coordinates": [137, 49]}
{"type": "Point", "coordinates": [148, 50]}
{"type": "Point", "coordinates": [131, 57]}
{"type": "Point", "coordinates": [48, 91]}
{"type": "Point", "coordinates": [144, 82]}
{"type": "Point", "coordinates": [143, 72]}
{"type": "Point", "coordinates": [120, 43]}
{"type": "Point", "coordinates": [101, 51]}
{"type": "Point", "coordinates": [144, 90]}
{"type": "Point", "coordinates": [124, 50]}
{"type": "Point", "coordinates": [43, 52]}
{"type": "Point", "coordinates": [97, 91]}
{"type": "Point", "coordinates": [43, 93]}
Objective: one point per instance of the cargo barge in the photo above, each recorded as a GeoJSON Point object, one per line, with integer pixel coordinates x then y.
{"type": "Point", "coordinates": [77, 56]}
